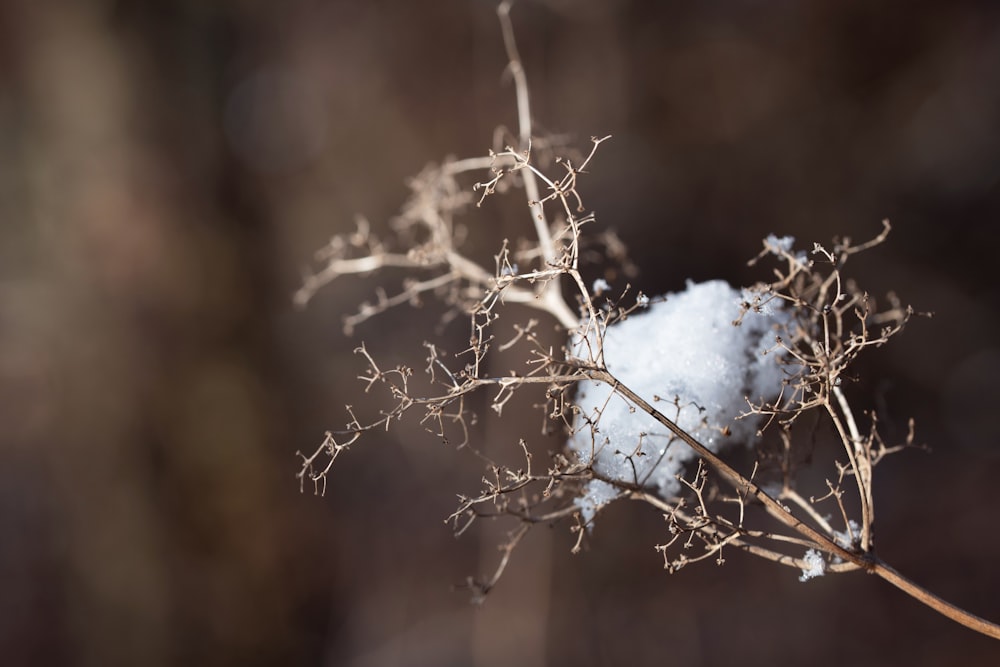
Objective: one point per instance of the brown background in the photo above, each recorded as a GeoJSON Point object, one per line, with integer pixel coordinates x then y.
{"type": "Point", "coordinates": [167, 169]}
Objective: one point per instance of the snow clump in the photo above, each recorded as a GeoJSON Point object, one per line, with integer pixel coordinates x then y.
{"type": "Point", "coordinates": [686, 358]}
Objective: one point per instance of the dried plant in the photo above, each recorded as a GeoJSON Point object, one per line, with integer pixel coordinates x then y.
{"type": "Point", "coordinates": [818, 322]}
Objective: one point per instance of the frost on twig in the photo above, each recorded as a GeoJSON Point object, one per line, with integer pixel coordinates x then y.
{"type": "Point", "coordinates": [639, 386]}
{"type": "Point", "coordinates": [722, 367]}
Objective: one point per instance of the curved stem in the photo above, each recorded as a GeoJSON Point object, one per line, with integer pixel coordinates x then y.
{"type": "Point", "coordinates": [860, 460]}
{"type": "Point", "coordinates": [856, 460]}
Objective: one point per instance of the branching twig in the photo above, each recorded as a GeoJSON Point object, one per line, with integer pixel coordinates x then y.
{"type": "Point", "coordinates": [827, 323]}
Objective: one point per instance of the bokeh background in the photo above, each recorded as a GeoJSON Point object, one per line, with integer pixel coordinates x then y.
{"type": "Point", "coordinates": [167, 171]}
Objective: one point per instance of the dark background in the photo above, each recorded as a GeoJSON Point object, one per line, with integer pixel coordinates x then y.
{"type": "Point", "coordinates": [167, 170]}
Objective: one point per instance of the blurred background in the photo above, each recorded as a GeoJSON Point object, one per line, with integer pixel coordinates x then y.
{"type": "Point", "coordinates": [167, 171]}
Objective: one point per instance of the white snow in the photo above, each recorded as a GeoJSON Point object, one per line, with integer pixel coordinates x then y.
{"type": "Point", "coordinates": [814, 567]}
{"type": "Point", "coordinates": [782, 243]}
{"type": "Point", "coordinates": [685, 357]}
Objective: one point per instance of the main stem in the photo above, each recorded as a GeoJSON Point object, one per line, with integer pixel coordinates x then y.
{"type": "Point", "coordinates": [867, 561]}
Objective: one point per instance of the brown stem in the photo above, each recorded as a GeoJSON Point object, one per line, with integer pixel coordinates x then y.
{"type": "Point", "coordinates": [943, 607]}
{"type": "Point", "coordinates": [773, 507]}
{"type": "Point", "coordinates": [866, 561]}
